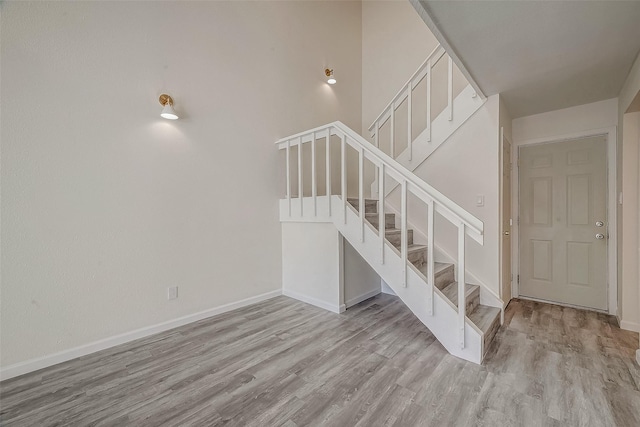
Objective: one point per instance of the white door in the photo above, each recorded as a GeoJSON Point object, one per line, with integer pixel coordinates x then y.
{"type": "Point", "coordinates": [563, 222]}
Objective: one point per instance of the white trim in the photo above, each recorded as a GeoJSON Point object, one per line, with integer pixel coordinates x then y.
{"type": "Point", "coordinates": [314, 301]}
{"type": "Point", "coordinates": [630, 326]}
{"type": "Point", "coordinates": [363, 297]}
{"type": "Point", "coordinates": [612, 191]}
{"type": "Point", "coordinates": [31, 365]}
{"type": "Point", "coordinates": [638, 356]}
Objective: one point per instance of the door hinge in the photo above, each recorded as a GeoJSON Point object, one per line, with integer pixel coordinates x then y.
{"type": "Point", "coordinates": [518, 279]}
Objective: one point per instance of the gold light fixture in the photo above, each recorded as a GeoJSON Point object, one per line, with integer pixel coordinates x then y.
{"type": "Point", "coordinates": [167, 112]}
{"type": "Point", "coordinates": [331, 79]}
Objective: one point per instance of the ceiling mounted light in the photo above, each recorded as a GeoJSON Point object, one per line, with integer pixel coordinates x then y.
{"type": "Point", "coordinates": [331, 79]}
{"type": "Point", "coordinates": [167, 112]}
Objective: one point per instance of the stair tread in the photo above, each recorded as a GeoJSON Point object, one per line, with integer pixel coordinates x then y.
{"type": "Point", "coordinates": [414, 247]}
{"type": "Point", "coordinates": [437, 267]}
{"type": "Point", "coordinates": [484, 316]}
{"type": "Point", "coordinates": [451, 291]}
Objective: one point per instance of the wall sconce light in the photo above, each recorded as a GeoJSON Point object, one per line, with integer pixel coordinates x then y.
{"type": "Point", "coordinates": [331, 79]}
{"type": "Point", "coordinates": [167, 112]}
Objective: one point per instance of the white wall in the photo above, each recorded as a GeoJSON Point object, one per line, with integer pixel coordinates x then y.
{"type": "Point", "coordinates": [312, 255]}
{"type": "Point", "coordinates": [395, 41]}
{"type": "Point", "coordinates": [462, 168]}
{"type": "Point", "coordinates": [360, 280]}
{"type": "Point", "coordinates": [104, 204]}
{"type": "Point", "coordinates": [629, 177]}
{"type": "Point", "coordinates": [629, 256]}
{"type": "Point", "coordinates": [597, 115]}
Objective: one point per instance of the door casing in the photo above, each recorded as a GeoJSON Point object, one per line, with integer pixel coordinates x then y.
{"type": "Point", "coordinates": [612, 201]}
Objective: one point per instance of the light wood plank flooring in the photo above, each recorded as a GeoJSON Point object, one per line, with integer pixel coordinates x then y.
{"type": "Point", "coordinates": [285, 363]}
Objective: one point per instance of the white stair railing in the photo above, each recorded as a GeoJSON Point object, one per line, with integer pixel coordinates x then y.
{"type": "Point", "coordinates": [406, 93]}
{"type": "Point", "coordinates": [436, 202]}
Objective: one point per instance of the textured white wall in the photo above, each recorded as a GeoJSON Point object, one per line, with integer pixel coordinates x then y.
{"type": "Point", "coordinates": [104, 204]}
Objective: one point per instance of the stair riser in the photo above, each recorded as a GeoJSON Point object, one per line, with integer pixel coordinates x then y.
{"type": "Point", "coordinates": [370, 206]}
{"type": "Point", "coordinates": [443, 278]}
{"type": "Point", "coordinates": [389, 220]}
{"type": "Point", "coordinates": [418, 257]}
{"type": "Point", "coordinates": [490, 334]}
{"type": "Point", "coordinates": [472, 301]}
{"type": "Point", "coordinates": [396, 238]}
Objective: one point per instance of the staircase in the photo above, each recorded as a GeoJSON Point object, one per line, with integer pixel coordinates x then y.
{"type": "Point", "coordinates": [484, 318]}
{"type": "Point", "coordinates": [436, 292]}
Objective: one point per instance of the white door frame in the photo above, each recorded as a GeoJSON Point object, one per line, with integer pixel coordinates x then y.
{"type": "Point", "coordinates": [501, 216]}
{"type": "Point", "coordinates": [612, 199]}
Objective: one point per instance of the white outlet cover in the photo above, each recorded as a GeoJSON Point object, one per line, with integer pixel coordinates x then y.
{"type": "Point", "coordinates": [172, 292]}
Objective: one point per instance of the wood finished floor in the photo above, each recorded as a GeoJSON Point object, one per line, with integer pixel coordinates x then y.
{"type": "Point", "coordinates": [285, 363]}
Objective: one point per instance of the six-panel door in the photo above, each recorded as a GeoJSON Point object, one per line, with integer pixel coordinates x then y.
{"type": "Point", "coordinates": [563, 251]}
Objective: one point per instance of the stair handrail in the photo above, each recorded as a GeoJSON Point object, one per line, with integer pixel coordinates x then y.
{"type": "Point", "coordinates": [475, 225]}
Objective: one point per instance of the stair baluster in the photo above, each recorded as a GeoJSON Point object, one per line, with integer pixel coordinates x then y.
{"type": "Point", "coordinates": [431, 281]}
{"type": "Point", "coordinates": [361, 190]}
{"type": "Point", "coordinates": [328, 167]}
{"type": "Point", "coordinates": [382, 226]}
{"type": "Point", "coordinates": [428, 128]}
{"type": "Point", "coordinates": [288, 176]}
{"type": "Point", "coordinates": [450, 88]}
{"type": "Point", "coordinates": [461, 277]}
{"type": "Point", "coordinates": [343, 176]}
{"type": "Point", "coordinates": [403, 231]}
{"type": "Point", "coordinates": [314, 183]}
{"type": "Point", "coordinates": [300, 188]}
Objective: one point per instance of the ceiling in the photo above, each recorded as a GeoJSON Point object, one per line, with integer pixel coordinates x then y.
{"type": "Point", "coordinates": [540, 55]}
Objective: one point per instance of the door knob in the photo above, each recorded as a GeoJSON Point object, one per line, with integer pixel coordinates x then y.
{"type": "Point", "coordinates": [599, 224]}
{"type": "Point", "coordinates": [599, 236]}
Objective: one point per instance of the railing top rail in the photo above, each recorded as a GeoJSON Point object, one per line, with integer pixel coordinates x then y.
{"type": "Point", "coordinates": [466, 217]}
{"type": "Point", "coordinates": [413, 76]}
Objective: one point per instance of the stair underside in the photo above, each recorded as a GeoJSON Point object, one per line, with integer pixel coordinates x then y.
{"type": "Point", "coordinates": [485, 318]}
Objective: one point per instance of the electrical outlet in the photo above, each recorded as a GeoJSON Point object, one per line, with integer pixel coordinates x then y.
{"type": "Point", "coordinates": [172, 292]}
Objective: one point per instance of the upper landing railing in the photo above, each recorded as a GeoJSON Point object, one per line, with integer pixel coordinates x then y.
{"type": "Point", "coordinates": [388, 114]}
{"type": "Point", "coordinates": [436, 202]}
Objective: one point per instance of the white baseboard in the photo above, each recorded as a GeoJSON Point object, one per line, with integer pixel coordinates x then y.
{"type": "Point", "coordinates": [25, 367]}
{"type": "Point", "coordinates": [314, 301]}
{"type": "Point", "coordinates": [360, 298]}
{"type": "Point", "coordinates": [630, 326]}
